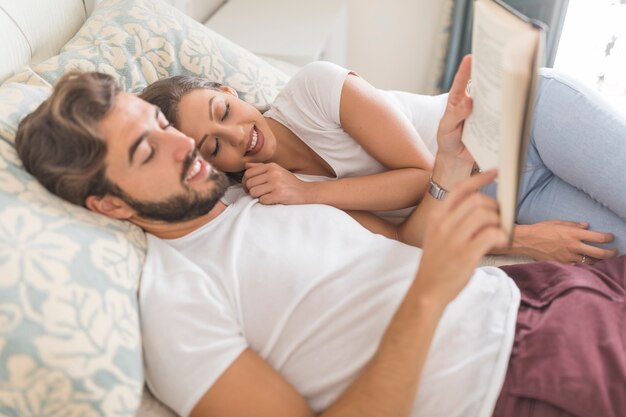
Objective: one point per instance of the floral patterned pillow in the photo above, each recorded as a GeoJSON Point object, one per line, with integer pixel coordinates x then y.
{"type": "Point", "coordinates": [69, 331]}
{"type": "Point", "coordinates": [141, 41]}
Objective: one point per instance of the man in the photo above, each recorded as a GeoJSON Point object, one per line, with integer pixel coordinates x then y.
{"type": "Point", "coordinates": [252, 310]}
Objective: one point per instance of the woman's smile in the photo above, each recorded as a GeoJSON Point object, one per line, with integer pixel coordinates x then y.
{"type": "Point", "coordinates": [256, 142]}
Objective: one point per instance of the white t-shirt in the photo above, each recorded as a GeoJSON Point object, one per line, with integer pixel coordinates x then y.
{"type": "Point", "coordinates": [309, 106]}
{"type": "Point", "coordinates": [311, 291]}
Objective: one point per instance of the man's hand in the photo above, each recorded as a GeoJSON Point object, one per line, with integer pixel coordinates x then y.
{"type": "Point", "coordinates": [464, 228]}
{"type": "Point", "coordinates": [273, 184]}
{"type": "Point", "coordinates": [561, 241]}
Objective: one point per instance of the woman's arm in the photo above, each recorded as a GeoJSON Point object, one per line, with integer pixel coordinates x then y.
{"type": "Point", "coordinates": [390, 190]}
{"type": "Point", "coordinates": [385, 133]}
{"type": "Point", "coordinates": [388, 136]}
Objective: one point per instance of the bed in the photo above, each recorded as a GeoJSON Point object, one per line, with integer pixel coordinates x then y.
{"type": "Point", "coordinates": [70, 341]}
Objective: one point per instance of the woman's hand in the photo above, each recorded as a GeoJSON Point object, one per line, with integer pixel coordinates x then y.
{"type": "Point", "coordinates": [273, 184]}
{"type": "Point", "coordinates": [458, 109]}
{"type": "Point", "coordinates": [561, 241]}
{"type": "Point", "coordinates": [453, 161]}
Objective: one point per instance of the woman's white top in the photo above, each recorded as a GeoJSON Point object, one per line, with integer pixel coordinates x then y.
{"type": "Point", "coordinates": [309, 106]}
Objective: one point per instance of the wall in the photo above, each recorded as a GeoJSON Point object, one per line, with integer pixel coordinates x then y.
{"type": "Point", "coordinates": [393, 43]}
{"type": "Point", "coordinates": [198, 9]}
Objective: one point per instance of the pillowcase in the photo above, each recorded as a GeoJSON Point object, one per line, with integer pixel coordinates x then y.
{"type": "Point", "coordinates": [69, 331]}
{"type": "Point", "coordinates": [141, 41]}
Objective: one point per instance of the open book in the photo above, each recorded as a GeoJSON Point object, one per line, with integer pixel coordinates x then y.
{"type": "Point", "coordinates": [507, 50]}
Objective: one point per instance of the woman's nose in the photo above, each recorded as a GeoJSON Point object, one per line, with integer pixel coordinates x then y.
{"type": "Point", "coordinates": [234, 134]}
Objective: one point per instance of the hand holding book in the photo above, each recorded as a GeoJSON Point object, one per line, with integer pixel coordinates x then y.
{"type": "Point", "coordinates": [506, 51]}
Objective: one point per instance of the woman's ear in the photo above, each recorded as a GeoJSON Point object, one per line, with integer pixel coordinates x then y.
{"type": "Point", "coordinates": [229, 90]}
{"type": "Point", "coordinates": [109, 206]}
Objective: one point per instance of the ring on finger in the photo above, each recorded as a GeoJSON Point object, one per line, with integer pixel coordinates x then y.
{"type": "Point", "coordinates": [583, 259]}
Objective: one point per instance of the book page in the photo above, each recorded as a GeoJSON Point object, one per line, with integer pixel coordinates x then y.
{"type": "Point", "coordinates": [503, 65]}
{"type": "Point", "coordinates": [482, 131]}
{"type": "Point", "coordinates": [519, 69]}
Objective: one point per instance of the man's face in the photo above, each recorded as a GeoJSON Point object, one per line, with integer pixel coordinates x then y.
{"type": "Point", "coordinates": [161, 175]}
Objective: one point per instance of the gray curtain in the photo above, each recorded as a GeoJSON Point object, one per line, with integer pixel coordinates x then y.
{"type": "Point", "coordinates": [550, 12]}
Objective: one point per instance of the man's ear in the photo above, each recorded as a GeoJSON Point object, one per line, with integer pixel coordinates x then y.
{"type": "Point", "coordinates": [109, 206]}
{"type": "Point", "coordinates": [229, 90]}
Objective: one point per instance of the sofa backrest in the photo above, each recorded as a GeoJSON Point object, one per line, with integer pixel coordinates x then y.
{"type": "Point", "coordinates": [33, 30]}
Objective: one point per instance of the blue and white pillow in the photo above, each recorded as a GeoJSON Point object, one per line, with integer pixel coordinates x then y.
{"type": "Point", "coordinates": [69, 331]}
{"type": "Point", "coordinates": [70, 343]}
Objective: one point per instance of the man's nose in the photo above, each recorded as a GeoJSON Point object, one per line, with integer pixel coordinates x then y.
{"type": "Point", "coordinates": [181, 144]}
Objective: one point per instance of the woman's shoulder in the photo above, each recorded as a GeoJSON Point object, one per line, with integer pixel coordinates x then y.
{"type": "Point", "coordinates": [322, 68]}
{"type": "Point", "coordinates": [318, 73]}
{"type": "Point", "coordinates": [313, 93]}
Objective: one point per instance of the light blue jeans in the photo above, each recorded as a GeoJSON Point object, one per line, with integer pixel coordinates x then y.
{"type": "Point", "coordinates": [575, 167]}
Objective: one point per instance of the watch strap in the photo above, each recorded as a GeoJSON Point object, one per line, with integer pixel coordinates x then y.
{"type": "Point", "coordinates": [436, 190]}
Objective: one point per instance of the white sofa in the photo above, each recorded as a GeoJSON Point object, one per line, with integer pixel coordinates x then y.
{"type": "Point", "coordinates": [69, 332]}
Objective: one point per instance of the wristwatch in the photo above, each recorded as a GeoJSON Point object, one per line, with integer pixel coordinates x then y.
{"type": "Point", "coordinates": [436, 191]}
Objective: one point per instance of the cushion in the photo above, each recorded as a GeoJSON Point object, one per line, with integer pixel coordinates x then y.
{"type": "Point", "coordinates": [69, 331]}
{"type": "Point", "coordinates": [141, 41]}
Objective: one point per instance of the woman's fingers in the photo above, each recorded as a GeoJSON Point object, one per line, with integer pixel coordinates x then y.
{"type": "Point", "coordinates": [256, 180]}
{"type": "Point", "coordinates": [459, 104]}
{"type": "Point", "coordinates": [260, 190]}
{"type": "Point", "coordinates": [458, 90]}
{"type": "Point", "coordinates": [252, 170]}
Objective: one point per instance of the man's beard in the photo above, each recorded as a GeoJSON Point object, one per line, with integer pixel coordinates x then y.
{"type": "Point", "coordinates": [182, 207]}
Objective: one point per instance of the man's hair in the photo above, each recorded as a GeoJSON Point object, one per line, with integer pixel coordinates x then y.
{"type": "Point", "coordinates": [167, 93]}
{"type": "Point", "coordinates": [60, 143]}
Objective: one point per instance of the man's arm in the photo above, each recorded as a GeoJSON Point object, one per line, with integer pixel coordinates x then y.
{"type": "Point", "coordinates": [464, 228]}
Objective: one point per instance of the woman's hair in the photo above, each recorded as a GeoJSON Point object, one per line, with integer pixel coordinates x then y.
{"type": "Point", "coordinates": [60, 143]}
{"type": "Point", "coordinates": [167, 94]}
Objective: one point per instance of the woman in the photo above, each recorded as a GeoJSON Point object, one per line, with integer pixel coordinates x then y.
{"type": "Point", "coordinates": [332, 138]}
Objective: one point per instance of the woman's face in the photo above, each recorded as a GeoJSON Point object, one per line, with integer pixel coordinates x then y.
{"type": "Point", "coordinates": [228, 132]}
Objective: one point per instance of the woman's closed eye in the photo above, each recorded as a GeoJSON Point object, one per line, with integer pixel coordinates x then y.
{"type": "Point", "coordinates": [226, 112]}
{"type": "Point", "coordinates": [201, 146]}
